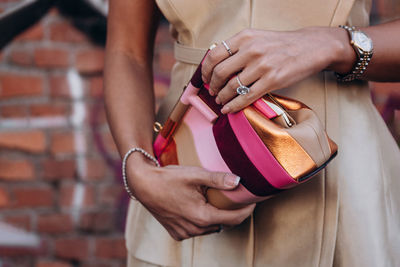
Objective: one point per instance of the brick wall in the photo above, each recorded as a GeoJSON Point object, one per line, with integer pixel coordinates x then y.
{"type": "Point", "coordinates": [59, 169]}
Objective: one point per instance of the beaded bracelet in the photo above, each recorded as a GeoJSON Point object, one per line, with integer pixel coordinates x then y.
{"type": "Point", "coordinates": [124, 177]}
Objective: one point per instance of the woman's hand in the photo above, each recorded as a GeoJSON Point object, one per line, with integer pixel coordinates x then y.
{"type": "Point", "coordinates": [175, 195]}
{"type": "Point", "coordinates": [269, 60]}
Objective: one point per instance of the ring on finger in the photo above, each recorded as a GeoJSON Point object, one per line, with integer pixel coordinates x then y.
{"type": "Point", "coordinates": [242, 89]}
{"type": "Point", "coordinates": [228, 49]}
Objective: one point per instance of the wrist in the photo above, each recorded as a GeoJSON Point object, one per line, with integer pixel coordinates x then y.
{"type": "Point", "coordinates": [344, 56]}
{"type": "Point", "coordinates": [137, 165]}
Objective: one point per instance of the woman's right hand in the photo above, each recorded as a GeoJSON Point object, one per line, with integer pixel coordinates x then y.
{"type": "Point", "coordinates": [175, 195]}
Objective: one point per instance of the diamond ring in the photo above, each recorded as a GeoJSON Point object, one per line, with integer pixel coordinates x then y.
{"type": "Point", "coordinates": [242, 89]}
{"type": "Point", "coordinates": [227, 48]}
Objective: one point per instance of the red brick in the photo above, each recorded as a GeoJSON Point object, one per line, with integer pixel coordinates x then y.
{"type": "Point", "coordinates": [96, 87]}
{"type": "Point", "coordinates": [30, 141]}
{"type": "Point", "coordinates": [95, 169]}
{"type": "Point", "coordinates": [62, 143]}
{"type": "Point", "coordinates": [59, 87]}
{"type": "Point", "coordinates": [47, 263]}
{"type": "Point", "coordinates": [74, 249]}
{"type": "Point", "coordinates": [90, 61]}
{"type": "Point", "coordinates": [110, 195]}
{"type": "Point", "coordinates": [34, 33]}
{"type": "Point", "coordinates": [67, 195]}
{"type": "Point", "coordinates": [98, 221]}
{"type": "Point", "coordinates": [58, 169]}
{"type": "Point", "coordinates": [55, 223]}
{"type": "Point", "coordinates": [16, 170]}
{"type": "Point", "coordinates": [51, 58]}
{"type": "Point", "coordinates": [51, 109]}
{"type": "Point", "coordinates": [20, 221]}
{"type": "Point", "coordinates": [14, 111]}
{"type": "Point", "coordinates": [65, 32]}
{"type": "Point", "coordinates": [33, 197]}
{"type": "Point", "coordinates": [17, 85]}
{"type": "Point", "coordinates": [21, 57]}
{"type": "Point", "coordinates": [111, 248]}
{"type": "Point", "coordinates": [4, 198]}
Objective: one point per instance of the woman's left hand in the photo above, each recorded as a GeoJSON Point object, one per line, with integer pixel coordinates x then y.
{"type": "Point", "coordinates": [270, 60]}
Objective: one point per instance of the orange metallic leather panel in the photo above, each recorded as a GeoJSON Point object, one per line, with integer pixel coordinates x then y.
{"type": "Point", "coordinates": [288, 104]}
{"type": "Point", "coordinates": [285, 149]}
{"type": "Point", "coordinates": [220, 201]}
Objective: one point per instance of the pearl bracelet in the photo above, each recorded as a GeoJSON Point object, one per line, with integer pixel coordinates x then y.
{"type": "Point", "coordinates": [124, 176]}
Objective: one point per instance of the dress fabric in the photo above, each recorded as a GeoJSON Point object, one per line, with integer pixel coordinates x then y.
{"type": "Point", "coordinates": [347, 216]}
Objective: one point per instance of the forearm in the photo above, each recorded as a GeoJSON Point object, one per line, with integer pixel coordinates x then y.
{"type": "Point", "coordinates": [385, 62]}
{"type": "Point", "coordinates": [129, 101]}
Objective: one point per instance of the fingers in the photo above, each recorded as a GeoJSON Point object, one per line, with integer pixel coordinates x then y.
{"type": "Point", "coordinates": [224, 70]}
{"type": "Point", "coordinates": [247, 77]}
{"type": "Point", "coordinates": [184, 230]}
{"type": "Point", "coordinates": [214, 57]}
{"type": "Point", "coordinates": [239, 102]}
{"type": "Point", "coordinates": [227, 217]}
{"type": "Point", "coordinates": [218, 180]}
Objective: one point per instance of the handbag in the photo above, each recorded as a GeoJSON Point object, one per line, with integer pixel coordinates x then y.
{"type": "Point", "coordinates": [274, 144]}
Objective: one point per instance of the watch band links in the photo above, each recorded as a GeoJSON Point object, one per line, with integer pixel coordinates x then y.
{"type": "Point", "coordinates": [364, 57]}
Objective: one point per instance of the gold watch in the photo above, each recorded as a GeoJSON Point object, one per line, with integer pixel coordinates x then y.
{"type": "Point", "coordinates": [363, 47]}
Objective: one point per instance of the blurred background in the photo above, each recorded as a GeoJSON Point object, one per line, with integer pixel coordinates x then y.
{"type": "Point", "coordinates": [61, 199]}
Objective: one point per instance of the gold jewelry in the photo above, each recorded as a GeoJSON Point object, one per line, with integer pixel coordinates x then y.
{"type": "Point", "coordinates": [363, 47]}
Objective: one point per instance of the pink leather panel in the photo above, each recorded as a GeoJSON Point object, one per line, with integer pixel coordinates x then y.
{"type": "Point", "coordinates": [190, 97]}
{"type": "Point", "coordinates": [159, 145]}
{"type": "Point", "coordinates": [206, 147]}
{"type": "Point", "coordinates": [264, 109]}
{"type": "Point", "coordinates": [258, 153]}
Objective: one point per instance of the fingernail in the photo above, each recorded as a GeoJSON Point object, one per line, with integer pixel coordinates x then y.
{"type": "Point", "coordinates": [225, 110]}
{"type": "Point", "coordinates": [203, 78]}
{"type": "Point", "coordinates": [217, 100]}
{"type": "Point", "coordinates": [232, 180]}
{"type": "Point", "coordinates": [211, 92]}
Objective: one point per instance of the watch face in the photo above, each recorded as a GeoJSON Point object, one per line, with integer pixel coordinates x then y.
{"type": "Point", "coordinates": [363, 41]}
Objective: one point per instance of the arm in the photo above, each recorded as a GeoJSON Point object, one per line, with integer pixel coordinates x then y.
{"type": "Point", "coordinates": [270, 60]}
{"type": "Point", "coordinates": [173, 194]}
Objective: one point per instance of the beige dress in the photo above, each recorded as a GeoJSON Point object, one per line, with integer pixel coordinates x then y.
{"type": "Point", "coordinates": [349, 215]}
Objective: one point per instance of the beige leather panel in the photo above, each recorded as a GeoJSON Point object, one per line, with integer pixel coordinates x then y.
{"type": "Point", "coordinates": [307, 130]}
{"type": "Point", "coordinates": [186, 149]}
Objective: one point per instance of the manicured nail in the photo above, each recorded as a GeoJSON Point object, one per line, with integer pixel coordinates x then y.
{"type": "Point", "coordinates": [203, 78]}
{"type": "Point", "coordinates": [232, 180]}
{"type": "Point", "coordinates": [211, 92]}
{"type": "Point", "coordinates": [217, 100]}
{"type": "Point", "coordinates": [225, 110]}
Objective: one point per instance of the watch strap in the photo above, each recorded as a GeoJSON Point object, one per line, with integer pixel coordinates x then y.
{"type": "Point", "coordinates": [364, 57]}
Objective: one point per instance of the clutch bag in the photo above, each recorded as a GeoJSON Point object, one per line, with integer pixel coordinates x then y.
{"type": "Point", "coordinates": [274, 144]}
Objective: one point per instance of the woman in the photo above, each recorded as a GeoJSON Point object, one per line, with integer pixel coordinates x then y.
{"type": "Point", "coordinates": [349, 216]}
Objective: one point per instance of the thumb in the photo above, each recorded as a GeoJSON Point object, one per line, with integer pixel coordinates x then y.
{"type": "Point", "coordinates": [218, 180]}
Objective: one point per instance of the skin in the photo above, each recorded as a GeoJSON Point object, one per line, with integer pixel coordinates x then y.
{"type": "Point", "coordinates": [270, 60]}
